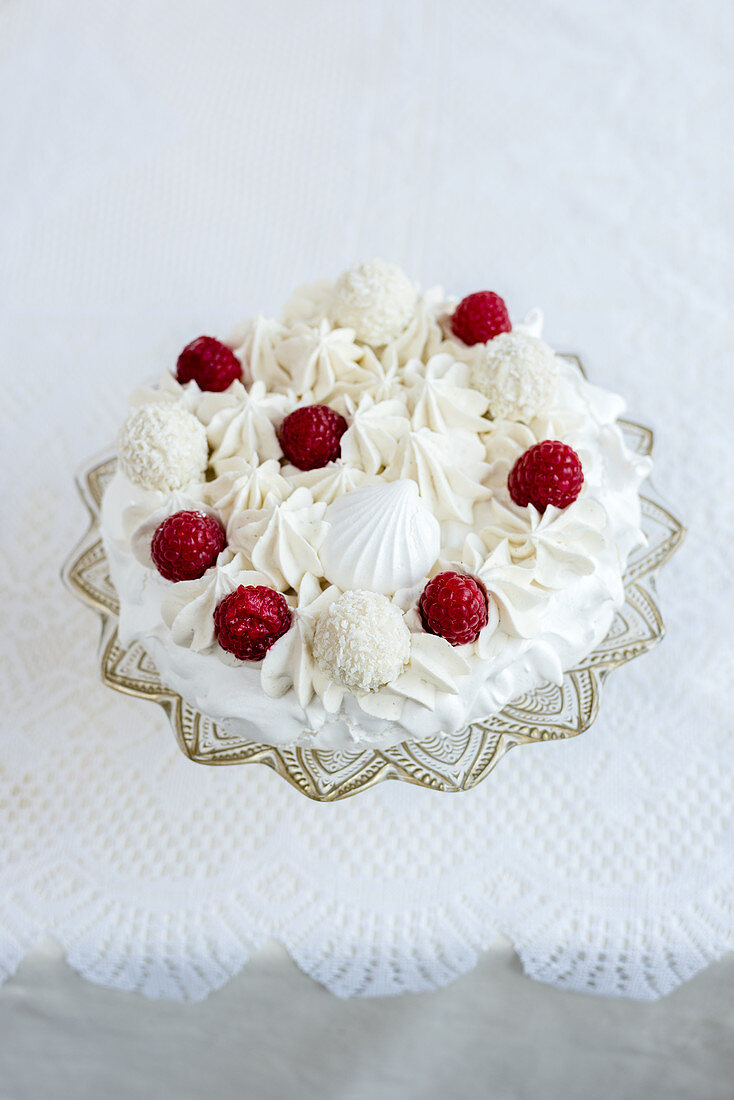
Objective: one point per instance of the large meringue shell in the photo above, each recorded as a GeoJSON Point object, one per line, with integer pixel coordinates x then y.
{"type": "Point", "coordinates": [381, 538]}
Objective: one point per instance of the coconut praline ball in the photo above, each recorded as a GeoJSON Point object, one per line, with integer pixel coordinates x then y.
{"type": "Point", "coordinates": [361, 641]}
{"type": "Point", "coordinates": [162, 446]}
{"type": "Point", "coordinates": [376, 299]}
{"type": "Point", "coordinates": [518, 373]}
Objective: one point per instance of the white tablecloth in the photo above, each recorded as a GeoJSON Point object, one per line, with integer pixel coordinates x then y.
{"type": "Point", "coordinates": [272, 1034]}
{"type": "Point", "coordinates": [173, 168]}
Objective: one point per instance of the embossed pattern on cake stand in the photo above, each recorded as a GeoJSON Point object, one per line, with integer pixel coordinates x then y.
{"type": "Point", "coordinates": [454, 763]}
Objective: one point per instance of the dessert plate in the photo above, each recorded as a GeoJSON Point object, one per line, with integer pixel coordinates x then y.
{"type": "Point", "coordinates": [453, 763]}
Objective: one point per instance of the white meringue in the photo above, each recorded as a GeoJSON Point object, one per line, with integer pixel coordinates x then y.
{"type": "Point", "coordinates": [381, 537]}
{"type": "Point", "coordinates": [376, 299]}
{"type": "Point", "coordinates": [519, 375]}
{"type": "Point", "coordinates": [361, 641]}
{"type": "Point", "coordinates": [162, 446]}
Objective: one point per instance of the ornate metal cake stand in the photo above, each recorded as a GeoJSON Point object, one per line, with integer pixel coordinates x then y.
{"type": "Point", "coordinates": [441, 764]}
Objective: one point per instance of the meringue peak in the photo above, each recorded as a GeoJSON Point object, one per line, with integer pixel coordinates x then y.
{"type": "Point", "coordinates": [381, 537]}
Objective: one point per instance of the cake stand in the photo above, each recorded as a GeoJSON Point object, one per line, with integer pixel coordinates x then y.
{"type": "Point", "coordinates": [453, 763]}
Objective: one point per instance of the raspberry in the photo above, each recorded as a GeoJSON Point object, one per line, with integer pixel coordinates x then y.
{"type": "Point", "coordinates": [310, 436]}
{"type": "Point", "coordinates": [479, 317]}
{"type": "Point", "coordinates": [211, 364]}
{"type": "Point", "coordinates": [250, 620]}
{"type": "Point", "coordinates": [547, 473]}
{"type": "Point", "coordinates": [185, 545]}
{"type": "Point", "coordinates": [454, 606]}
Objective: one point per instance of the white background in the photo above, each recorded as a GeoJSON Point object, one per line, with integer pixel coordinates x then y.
{"type": "Point", "coordinates": [171, 168]}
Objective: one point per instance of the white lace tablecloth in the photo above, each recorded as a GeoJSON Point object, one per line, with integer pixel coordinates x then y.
{"type": "Point", "coordinates": [172, 168]}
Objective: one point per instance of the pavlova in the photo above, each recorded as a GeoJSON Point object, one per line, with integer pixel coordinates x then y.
{"type": "Point", "coordinates": [379, 517]}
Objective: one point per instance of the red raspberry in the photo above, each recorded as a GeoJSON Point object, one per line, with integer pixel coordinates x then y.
{"type": "Point", "coordinates": [211, 364]}
{"type": "Point", "coordinates": [250, 620]}
{"type": "Point", "coordinates": [547, 473]}
{"type": "Point", "coordinates": [454, 606]}
{"type": "Point", "coordinates": [185, 545]}
{"type": "Point", "coordinates": [479, 317]}
{"type": "Point", "coordinates": [310, 436]}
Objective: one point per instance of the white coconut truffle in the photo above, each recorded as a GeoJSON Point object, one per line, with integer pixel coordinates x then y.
{"type": "Point", "coordinates": [519, 375]}
{"type": "Point", "coordinates": [361, 641]}
{"type": "Point", "coordinates": [375, 299]}
{"type": "Point", "coordinates": [162, 446]}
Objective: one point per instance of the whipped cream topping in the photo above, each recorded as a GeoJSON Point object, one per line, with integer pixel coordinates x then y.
{"type": "Point", "coordinates": [244, 422]}
{"type": "Point", "coordinates": [449, 471]}
{"type": "Point", "coordinates": [290, 663]}
{"type": "Point", "coordinates": [330, 482]}
{"type": "Point", "coordinates": [517, 605]}
{"type": "Point", "coordinates": [371, 440]}
{"type": "Point", "coordinates": [439, 397]}
{"type": "Point", "coordinates": [169, 391]}
{"type": "Point", "coordinates": [382, 376]}
{"type": "Point", "coordinates": [423, 337]}
{"type": "Point", "coordinates": [314, 360]}
{"type": "Point", "coordinates": [255, 344]}
{"type": "Point", "coordinates": [420, 446]}
{"type": "Point", "coordinates": [125, 505]}
{"type": "Point", "coordinates": [554, 546]}
{"type": "Point", "coordinates": [244, 484]}
{"type": "Point", "coordinates": [282, 539]}
{"type": "Point", "coordinates": [435, 669]}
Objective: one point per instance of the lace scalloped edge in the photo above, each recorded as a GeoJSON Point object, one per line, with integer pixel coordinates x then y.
{"type": "Point", "coordinates": [187, 954]}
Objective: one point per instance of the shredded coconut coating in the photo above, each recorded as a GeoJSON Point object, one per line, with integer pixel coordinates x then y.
{"type": "Point", "coordinates": [161, 446]}
{"type": "Point", "coordinates": [361, 641]}
{"type": "Point", "coordinates": [376, 299]}
{"type": "Point", "coordinates": [518, 374]}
